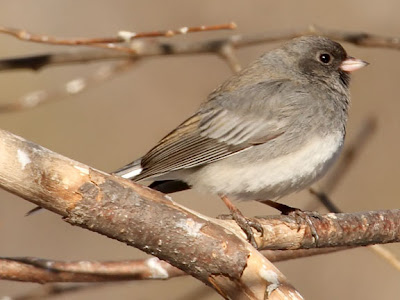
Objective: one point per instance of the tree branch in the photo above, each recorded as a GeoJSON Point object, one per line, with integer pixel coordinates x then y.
{"type": "Point", "coordinates": [139, 217]}
{"type": "Point", "coordinates": [198, 245]}
{"type": "Point", "coordinates": [367, 129]}
{"type": "Point", "coordinates": [71, 88]}
{"type": "Point", "coordinates": [155, 47]}
{"type": "Point", "coordinates": [140, 48]}
{"type": "Point", "coordinates": [31, 269]}
{"type": "Point", "coordinates": [108, 42]}
{"type": "Point", "coordinates": [214, 251]}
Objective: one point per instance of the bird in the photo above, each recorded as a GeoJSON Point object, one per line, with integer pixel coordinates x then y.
{"type": "Point", "coordinates": [272, 129]}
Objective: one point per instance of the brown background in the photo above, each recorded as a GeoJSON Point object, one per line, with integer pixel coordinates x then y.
{"type": "Point", "coordinates": [121, 119]}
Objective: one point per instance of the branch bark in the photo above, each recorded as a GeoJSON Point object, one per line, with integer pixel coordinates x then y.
{"type": "Point", "coordinates": [140, 217]}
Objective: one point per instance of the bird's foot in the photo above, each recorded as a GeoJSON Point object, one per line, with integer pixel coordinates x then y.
{"type": "Point", "coordinates": [301, 217]}
{"type": "Point", "coordinates": [307, 217]}
{"type": "Point", "coordinates": [246, 224]}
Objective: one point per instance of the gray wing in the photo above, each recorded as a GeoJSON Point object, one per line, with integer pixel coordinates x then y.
{"type": "Point", "coordinates": [228, 123]}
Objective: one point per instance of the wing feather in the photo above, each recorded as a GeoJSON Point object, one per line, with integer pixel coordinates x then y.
{"type": "Point", "coordinates": [230, 122]}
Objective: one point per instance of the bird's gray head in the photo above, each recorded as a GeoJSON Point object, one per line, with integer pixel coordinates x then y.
{"type": "Point", "coordinates": [307, 59]}
{"type": "Point", "coordinates": [316, 55]}
{"type": "Point", "coordinates": [317, 58]}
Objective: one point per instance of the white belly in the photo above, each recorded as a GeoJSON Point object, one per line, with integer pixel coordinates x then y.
{"type": "Point", "coordinates": [271, 179]}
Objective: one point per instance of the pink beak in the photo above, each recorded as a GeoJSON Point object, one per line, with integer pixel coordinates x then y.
{"type": "Point", "coordinates": [351, 64]}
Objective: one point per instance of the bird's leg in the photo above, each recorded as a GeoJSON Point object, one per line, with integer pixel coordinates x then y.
{"type": "Point", "coordinates": [284, 209]}
{"type": "Point", "coordinates": [244, 223]}
{"type": "Point", "coordinates": [299, 215]}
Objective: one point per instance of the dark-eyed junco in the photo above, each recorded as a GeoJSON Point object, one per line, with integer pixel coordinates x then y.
{"type": "Point", "coordinates": [270, 130]}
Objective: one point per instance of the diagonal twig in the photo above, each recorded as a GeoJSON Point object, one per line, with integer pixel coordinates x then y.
{"type": "Point", "coordinates": [365, 132]}
{"type": "Point", "coordinates": [71, 88]}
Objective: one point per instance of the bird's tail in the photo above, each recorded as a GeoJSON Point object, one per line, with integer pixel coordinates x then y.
{"type": "Point", "coordinates": [130, 171]}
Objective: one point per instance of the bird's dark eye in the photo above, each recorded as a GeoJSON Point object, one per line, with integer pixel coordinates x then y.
{"type": "Point", "coordinates": [325, 58]}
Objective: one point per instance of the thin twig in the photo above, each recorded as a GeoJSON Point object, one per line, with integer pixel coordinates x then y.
{"type": "Point", "coordinates": [352, 151]}
{"type": "Point", "coordinates": [160, 47]}
{"type": "Point", "coordinates": [128, 36]}
{"type": "Point", "coordinates": [227, 52]}
{"type": "Point", "coordinates": [238, 41]}
{"type": "Point", "coordinates": [366, 131]}
{"type": "Point", "coordinates": [386, 255]}
{"type": "Point", "coordinates": [72, 87]}
{"type": "Point", "coordinates": [139, 48]}
{"type": "Point", "coordinates": [37, 62]}
{"type": "Point", "coordinates": [123, 36]}
{"type": "Point", "coordinates": [380, 250]}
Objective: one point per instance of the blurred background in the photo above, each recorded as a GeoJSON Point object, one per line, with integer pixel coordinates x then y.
{"type": "Point", "coordinates": [121, 119]}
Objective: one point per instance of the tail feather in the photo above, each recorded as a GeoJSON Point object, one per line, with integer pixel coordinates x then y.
{"type": "Point", "coordinates": [169, 186]}
{"type": "Point", "coordinates": [130, 171]}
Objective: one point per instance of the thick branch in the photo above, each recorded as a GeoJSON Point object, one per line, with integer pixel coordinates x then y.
{"type": "Point", "coordinates": [153, 223]}
{"type": "Point", "coordinates": [150, 221]}
{"type": "Point", "coordinates": [334, 230]}
{"type": "Point", "coordinates": [139, 217]}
